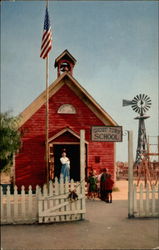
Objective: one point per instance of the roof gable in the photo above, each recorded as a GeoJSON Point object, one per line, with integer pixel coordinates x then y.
{"type": "Point", "coordinates": [64, 131]}
{"type": "Point", "coordinates": [71, 82]}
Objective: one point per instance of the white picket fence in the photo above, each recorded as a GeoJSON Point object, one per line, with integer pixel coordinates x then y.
{"type": "Point", "coordinates": [44, 205]}
{"type": "Point", "coordinates": [19, 208]}
{"type": "Point", "coordinates": [145, 201]}
{"type": "Point", "coordinates": [54, 204]}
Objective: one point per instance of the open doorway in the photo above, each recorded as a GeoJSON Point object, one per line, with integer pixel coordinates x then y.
{"type": "Point", "coordinates": [73, 153]}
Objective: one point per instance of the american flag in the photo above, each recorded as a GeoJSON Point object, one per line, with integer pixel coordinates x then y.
{"type": "Point", "coordinates": [47, 37]}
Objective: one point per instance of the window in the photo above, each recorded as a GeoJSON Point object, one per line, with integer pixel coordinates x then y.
{"type": "Point", "coordinates": [97, 159]}
{"type": "Point", "coordinates": [66, 109]}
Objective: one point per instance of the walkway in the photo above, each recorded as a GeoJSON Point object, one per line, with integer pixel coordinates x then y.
{"type": "Point", "coordinates": [106, 227]}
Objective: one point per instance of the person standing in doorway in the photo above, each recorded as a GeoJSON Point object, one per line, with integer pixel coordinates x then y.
{"type": "Point", "coordinates": [65, 169]}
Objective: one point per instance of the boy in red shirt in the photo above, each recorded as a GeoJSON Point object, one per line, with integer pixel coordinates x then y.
{"type": "Point", "coordinates": [108, 187]}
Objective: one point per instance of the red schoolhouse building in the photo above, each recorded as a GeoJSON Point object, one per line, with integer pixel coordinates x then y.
{"type": "Point", "coordinates": [71, 108]}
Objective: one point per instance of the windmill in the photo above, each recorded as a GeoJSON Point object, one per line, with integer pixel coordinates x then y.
{"type": "Point", "coordinates": [140, 104]}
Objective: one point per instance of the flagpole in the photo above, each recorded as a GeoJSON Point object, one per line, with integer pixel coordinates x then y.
{"type": "Point", "coordinates": [47, 116]}
{"type": "Point", "coordinates": [45, 49]}
{"type": "Point", "coordinates": [47, 119]}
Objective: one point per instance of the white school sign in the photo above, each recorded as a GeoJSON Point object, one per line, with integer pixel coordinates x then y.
{"type": "Point", "coordinates": [107, 133]}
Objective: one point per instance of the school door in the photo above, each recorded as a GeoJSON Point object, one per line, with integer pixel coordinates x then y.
{"type": "Point", "coordinates": [73, 153]}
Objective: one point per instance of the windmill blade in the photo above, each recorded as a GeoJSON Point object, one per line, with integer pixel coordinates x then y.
{"type": "Point", "coordinates": [134, 101]}
{"type": "Point", "coordinates": [135, 98]}
{"type": "Point", "coordinates": [136, 108]}
{"type": "Point", "coordinates": [148, 106]}
{"type": "Point", "coordinates": [149, 102]}
{"type": "Point", "coordinates": [134, 105]}
{"type": "Point", "coordinates": [147, 97]}
{"type": "Point", "coordinates": [145, 109]}
{"type": "Point", "coordinates": [127, 102]}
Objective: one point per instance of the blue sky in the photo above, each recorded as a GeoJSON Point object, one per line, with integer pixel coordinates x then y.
{"type": "Point", "coordinates": [115, 44]}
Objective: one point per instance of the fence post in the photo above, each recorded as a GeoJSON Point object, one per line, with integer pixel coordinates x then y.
{"type": "Point", "coordinates": [2, 207]}
{"type": "Point", "coordinates": [147, 200]}
{"type": "Point", "coordinates": [141, 202]}
{"type": "Point", "coordinates": [15, 202]}
{"type": "Point", "coordinates": [153, 200]}
{"type": "Point", "coordinates": [30, 201]}
{"type": "Point", "coordinates": [37, 196]}
{"type": "Point", "coordinates": [40, 204]}
{"type": "Point", "coordinates": [51, 202]}
{"type": "Point", "coordinates": [61, 191]}
{"type": "Point", "coordinates": [57, 218]}
{"type": "Point", "coordinates": [130, 175]}
{"type": "Point", "coordinates": [67, 192]}
{"type": "Point", "coordinates": [82, 168]}
{"type": "Point", "coordinates": [135, 198]}
{"type": "Point", "coordinates": [45, 201]}
{"type": "Point", "coordinates": [23, 208]}
{"type": "Point", "coordinates": [8, 205]}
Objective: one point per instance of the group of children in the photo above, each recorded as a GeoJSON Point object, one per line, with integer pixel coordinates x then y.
{"type": "Point", "coordinates": [100, 186]}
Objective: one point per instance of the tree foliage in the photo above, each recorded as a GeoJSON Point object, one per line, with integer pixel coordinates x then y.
{"type": "Point", "coordinates": [10, 140]}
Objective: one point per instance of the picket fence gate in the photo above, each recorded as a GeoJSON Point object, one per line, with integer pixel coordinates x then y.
{"type": "Point", "coordinates": [46, 204]}
{"type": "Point", "coordinates": [145, 201]}
{"type": "Point", "coordinates": [55, 205]}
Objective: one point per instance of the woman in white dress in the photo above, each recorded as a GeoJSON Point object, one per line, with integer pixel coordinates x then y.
{"type": "Point", "coordinates": [65, 169]}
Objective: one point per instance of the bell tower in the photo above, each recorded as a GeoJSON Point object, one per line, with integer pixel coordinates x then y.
{"type": "Point", "coordinates": [65, 63]}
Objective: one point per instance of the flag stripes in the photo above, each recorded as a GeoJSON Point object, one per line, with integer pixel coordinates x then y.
{"type": "Point", "coordinates": [47, 37]}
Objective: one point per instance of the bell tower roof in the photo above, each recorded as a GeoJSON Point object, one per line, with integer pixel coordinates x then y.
{"type": "Point", "coordinates": [65, 55]}
{"type": "Point", "coordinates": [65, 63]}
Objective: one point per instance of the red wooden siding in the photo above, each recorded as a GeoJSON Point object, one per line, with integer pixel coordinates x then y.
{"type": "Point", "coordinates": [30, 162]}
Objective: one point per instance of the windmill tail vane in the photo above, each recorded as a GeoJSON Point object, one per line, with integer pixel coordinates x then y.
{"type": "Point", "coordinates": [127, 102]}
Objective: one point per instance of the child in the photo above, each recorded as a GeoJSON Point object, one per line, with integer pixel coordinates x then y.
{"type": "Point", "coordinates": [108, 187]}
{"type": "Point", "coordinates": [92, 180]}
{"type": "Point", "coordinates": [98, 183]}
